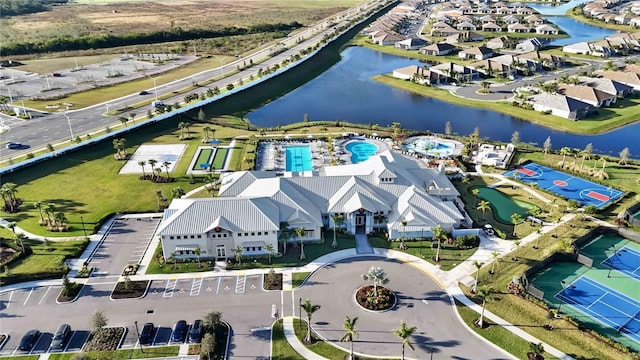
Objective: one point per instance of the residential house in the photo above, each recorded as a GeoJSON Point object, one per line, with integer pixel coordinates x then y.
{"type": "Point", "coordinates": [466, 26]}
{"type": "Point", "coordinates": [442, 29]}
{"type": "Point", "coordinates": [484, 9]}
{"type": "Point", "coordinates": [542, 60]}
{"type": "Point", "coordinates": [510, 19]}
{"type": "Point", "coordinates": [534, 20]}
{"type": "Point", "coordinates": [455, 71]}
{"type": "Point", "coordinates": [560, 105]}
{"type": "Point", "coordinates": [635, 22]}
{"type": "Point", "coordinates": [477, 53]}
{"type": "Point", "coordinates": [631, 68]}
{"type": "Point", "coordinates": [582, 48]}
{"type": "Point", "coordinates": [251, 207]}
{"type": "Point", "coordinates": [492, 68]}
{"type": "Point", "coordinates": [587, 94]}
{"type": "Point", "coordinates": [528, 45]}
{"type": "Point", "coordinates": [623, 19]}
{"type": "Point", "coordinates": [411, 44]}
{"type": "Point", "coordinates": [488, 19]}
{"type": "Point", "coordinates": [606, 85]}
{"type": "Point", "coordinates": [501, 42]}
{"type": "Point", "coordinates": [518, 28]}
{"type": "Point", "coordinates": [443, 18]}
{"type": "Point", "coordinates": [625, 77]}
{"type": "Point", "coordinates": [525, 11]}
{"type": "Point", "coordinates": [386, 38]}
{"type": "Point", "coordinates": [491, 27]}
{"type": "Point", "coordinates": [465, 18]}
{"type": "Point", "coordinates": [438, 49]}
{"type": "Point", "coordinates": [601, 48]}
{"type": "Point", "coordinates": [420, 75]}
{"type": "Point", "coordinates": [546, 29]}
{"type": "Point", "coordinates": [465, 36]}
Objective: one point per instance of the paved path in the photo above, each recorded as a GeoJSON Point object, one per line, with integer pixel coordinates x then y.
{"type": "Point", "coordinates": [362, 244]}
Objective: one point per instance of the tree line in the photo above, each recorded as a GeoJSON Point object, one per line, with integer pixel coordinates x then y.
{"type": "Point", "coordinates": [108, 41]}
{"type": "Point", "coordinates": [21, 7]}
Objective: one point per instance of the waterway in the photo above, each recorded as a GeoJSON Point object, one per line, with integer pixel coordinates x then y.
{"type": "Point", "coordinates": [346, 92]}
{"type": "Point", "coordinates": [553, 8]}
{"type": "Point", "coordinates": [577, 30]}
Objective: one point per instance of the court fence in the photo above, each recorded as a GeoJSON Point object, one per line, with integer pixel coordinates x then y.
{"type": "Point", "coordinates": [540, 265]}
{"type": "Point", "coordinates": [584, 260]}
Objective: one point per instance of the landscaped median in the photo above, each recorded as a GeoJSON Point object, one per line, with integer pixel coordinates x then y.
{"type": "Point", "coordinates": [608, 119]}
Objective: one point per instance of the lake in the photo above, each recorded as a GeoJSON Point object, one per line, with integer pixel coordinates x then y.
{"type": "Point", "coordinates": [577, 31]}
{"type": "Point", "coordinates": [553, 9]}
{"type": "Point", "coordinates": [345, 92]}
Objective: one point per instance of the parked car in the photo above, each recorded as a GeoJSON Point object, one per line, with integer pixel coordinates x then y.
{"type": "Point", "coordinates": [146, 335]}
{"type": "Point", "coordinates": [488, 229]}
{"type": "Point", "coordinates": [179, 331]}
{"type": "Point", "coordinates": [29, 340]}
{"type": "Point", "coordinates": [195, 334]}
{"type": "Point", "coordinates": [61, 337]}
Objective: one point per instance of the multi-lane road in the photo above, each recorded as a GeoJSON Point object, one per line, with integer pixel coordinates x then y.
{"type": "Point", "coordinates": [56, 127]}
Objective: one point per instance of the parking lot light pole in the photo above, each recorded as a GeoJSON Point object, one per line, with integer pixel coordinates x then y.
{"type": "Point", "coordinates": [221, 65]}
{"type": "Point", "coordinates": [138, 332]}
{"type": "Point", "coordinates": [300, 312]}
{"type": "Point", "coordinates": [155, 88]}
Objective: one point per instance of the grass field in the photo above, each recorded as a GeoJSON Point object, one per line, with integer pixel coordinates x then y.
{"type": "Point", "coordinates": [46, 261]}
{"type": "Point", "coordinates": [298, 278]}
{"type": "Point", "coordinates": [280, 348]}
{"type": "Point", "coordinates": [149, 352]}
{"type": "Point", "coordinates": [624, 113]}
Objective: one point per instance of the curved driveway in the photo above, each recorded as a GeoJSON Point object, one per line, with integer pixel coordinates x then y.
{"type": "Point", "coordinates": [422, 303]}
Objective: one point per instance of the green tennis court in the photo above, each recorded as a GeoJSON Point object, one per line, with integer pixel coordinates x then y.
{"type": "Point", "coordinates": [503, 205]}
{"type": "Point", "coordinates": [219, 157]}
{"type": "Point", "coordinates": [203, 158]}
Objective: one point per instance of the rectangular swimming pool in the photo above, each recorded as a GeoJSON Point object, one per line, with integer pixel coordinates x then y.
{"type": "Point", "coordinates": [298, 158]}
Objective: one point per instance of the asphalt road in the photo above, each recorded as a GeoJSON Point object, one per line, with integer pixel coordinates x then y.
{"type": "Point", "coordinates": [54, 128]}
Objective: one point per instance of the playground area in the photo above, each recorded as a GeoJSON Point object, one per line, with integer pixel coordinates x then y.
{"type": "Point", "coordinates": [162, 154]}
{"type": "Point", "coordinates": [600, 289]}
{"type": "Point", "coordinates": [565, 185]}
{"type": "Point", "coordinates": [503, 205]}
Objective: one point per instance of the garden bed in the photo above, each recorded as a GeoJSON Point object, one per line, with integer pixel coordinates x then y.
{"type": "Point", "coordinates": [272, 281]}
{"type": "Point", "coordinates": [385, 300]}
{"type": "Point", "coordinates": [71, 295]}
{"type": "Point", "coordinates": [107, 338]}
{"type": "Point", "coordinates": [130, 290]}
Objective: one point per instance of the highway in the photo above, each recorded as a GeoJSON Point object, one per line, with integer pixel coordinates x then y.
{"type": "Point", "coordinates": [54, 128]}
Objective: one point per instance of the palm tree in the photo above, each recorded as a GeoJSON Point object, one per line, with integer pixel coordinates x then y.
{"type": "Point", "coordinates": [338, 219]}
{"type": "Point", "coordinates": [536, 350]}
{"type": "Point", "coordinates": [624, 156]}
{"type": "Point", "coordinates": [123, 120]}
{"type": "Point", "coordinates": [483, 206]}
{"type": "Point", "coordinates": [300, 234]}
{"type": "Point", "coordinates": [404, 333]}
{"type": "Point", "coordinates": [495, 259]}
{"type": "Point", "coordinates": [142, 164]}
{"type": "Point", "coordinates": [12, 226]}
{"type": "Point", "coordinates": [285, 235]}
{"type": "Point", "coordinates": [49, 209]}
{"type": "Point", "coordinates": [198, 252]}
{"type": "Point", "coordinates": [160, 198]}
{"type": "Point", "coordinates": [477, 265]}
{"type": "Point", "coordinates": [166, 165]}
{"type": "Point", "coordinates": [377, 276]}
{"type": "Point", "coordinates": [270, 251]}
{"type": "Point", "coordinates": [309, 308]}
{"type": "Point", "coordinates": [60, 219]}
{"type": "Point", "coordinates": [152, 163]}
{"type": "Point", "coordinates": [173, 257]}
{"type": "Point", "coordinates": [177, 192]}
{"type": "Point", "coordinates": [404, 228]}
{"type": "Point", "coordinates": [238, 251]}
{"type": "Point", "coordinates": [564, 152]}
{"type": "Point", "coordinates": [132, 116]}
{"type": "Point", "coordinates": [206, 131]}
{"type": "Point", "coordinates": [485, 294]}
{"type": "Point", "coordinates": [516, 243]}
{"type": "Point", "coordinates": [211, 319]}
{"type": "Point", "coordinates": [20, 238]}
{"type": "Point", "coordinates": [181, 126]}
{"type": "Point", "coordinates": [439, 234]}
{"type": "Point", "coordinates": [38, 205]}
{"type": "Point", "coordinates": [475, 192]}
{"type": "Point", "coordinates": [515, 220]}
{"type": "Point", "coordinates": [351, 333]}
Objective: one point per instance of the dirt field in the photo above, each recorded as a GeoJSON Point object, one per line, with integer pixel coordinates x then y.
{"type": "Point", "coordinates": [89, 17]}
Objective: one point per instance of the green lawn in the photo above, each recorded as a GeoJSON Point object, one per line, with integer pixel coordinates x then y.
{"type": "Point", "coordinates": [498, 335]}
{"type": "Point", "coordinates": [160, 267]}
{"type": "Point", "coordinates": [502, 205]}
{"type": "Point", "coordinates": [624, 112]}
{"type": "Point", "coordinates": [280, 348]}
{"type": "Point", "coordinates": [149, 352]}
{"type": "Point", "coordinates": [21, 357]}
{"type": "Point", "coordinates": [46, 261]}
{"type": "Point", "coordinates": [297, 278]}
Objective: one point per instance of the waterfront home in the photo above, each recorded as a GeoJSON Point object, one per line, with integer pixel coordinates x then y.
{"type": "Point", "coordinates": [635, 22]}
{"type": "Point", "coordinates": [438, 49]}
{"type": "Point", "coordinates": [623, 19]}
{"type": "Point", "coordinates": [518, 28]}
{"type": "Point", "coordinates": [585, 48]}
{"type": "Point", "coordinates": [420, 75]}
{"type": "Point", "coordinates": [542, 60]}
{"type": "Point", "coordinates": [491, 27]}
{"type": "Point", "coordinates": [608, 86]}
{"type": "Point", "coordinates": [525, 11]}
{"type": "Point", "coordinates": [386, 38]}
{"type": "Point", "coordinates": [546, 29]}
{"type": "Point", "coordinates": [492, 68]}
{"type": "Point", "coordinates": [560, 105]}
{"type": "Point", "coordinates": [476, 52]}
{"type": "Point", "coordinates": [456, 72]}
{"type": "Point", "coordinates": [602, 48]}
{"type": "Point", "coordinates": [534, 20]}
{"type": "Point", "coordinates": [253, 207]}
{"type": "Point", "coordinates": [462, 37]}
{"type": "Point", "coordinates": [625, 77]}
{"type": "Point", "coordinates": [411, 44]}
{"type": "Point", "coordinates": [587, 94]}
{"type": "Point", "coordinates": [501, 42]}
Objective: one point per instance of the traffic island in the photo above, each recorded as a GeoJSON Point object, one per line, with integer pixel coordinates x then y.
{"type": "Point", "coordinates": [378, 299]}
{"type": "Point", "coordinates": [130, 290]}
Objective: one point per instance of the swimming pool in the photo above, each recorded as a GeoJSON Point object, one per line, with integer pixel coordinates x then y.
{"type": "Point", "coordinates": [361, 150]}
{"type": "Point", "coordinates": [430, 146]}
{"type": "Point", "coordinates": [298, 158]}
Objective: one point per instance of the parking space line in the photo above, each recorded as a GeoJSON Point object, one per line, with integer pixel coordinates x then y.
{"type": "Point", "coordinates": [45, 295]}
{"type": "Point", "coordinates": [196, 286]}
{"type": "Point", "coordinates": [170, 287]}
{"type": "Point", "coordinates": [73, 333]}
{"type": "Point", "coordinates": [27, 299]}
{"type": "Point", "coordinates": [241, 281]}
{"type": "Point", "coordinates": [218, 288]}
{"type": "Point", "coordinates": [153, 342]}
{"type": "Point", "coordinates": [9, 301]}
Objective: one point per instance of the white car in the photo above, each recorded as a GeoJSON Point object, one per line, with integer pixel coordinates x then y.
{"type": "Point", "coordinates": [488, 229]}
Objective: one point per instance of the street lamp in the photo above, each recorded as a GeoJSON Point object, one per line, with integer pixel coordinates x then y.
{"type": "Point", "coordinates": [564, 290]}
{"type": "Point", "coordinates": [69, 122]}
{"type": "Point", "coordinates": [155, 88]}
{"type": "Point", "coordinates": [138, 332]}
{"type": "Point", "coordinates": [221, 65]}
{"type": "Point", "coordinates": [300, 312]}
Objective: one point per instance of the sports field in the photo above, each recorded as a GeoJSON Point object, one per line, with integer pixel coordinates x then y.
{"type": "Point", "coordinates": [605, 296]}
{"type": "Point", "coordinates": [568, 186]}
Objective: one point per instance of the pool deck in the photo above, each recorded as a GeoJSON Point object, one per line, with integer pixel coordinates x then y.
{"type": "Point", "coordinates": [271, 154]}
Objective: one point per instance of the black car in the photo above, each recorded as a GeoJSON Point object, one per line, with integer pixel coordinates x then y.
{"type": "Point", "coordinates": [61, 337]}
{"type": "Point", "coordinates": [195, 334]}
{"type": "Point", "coordinates": [179, 331]}
{"type": "Point", "coordinates": [28, 340]}
{"type": "Point", "coordinates": [143, 92]}
{"type": "Point", "coordinates": [146, 335]}
{"type": "Point", "coordinates": [14, 145]}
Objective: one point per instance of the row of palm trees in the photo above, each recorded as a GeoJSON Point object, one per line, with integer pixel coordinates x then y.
{"type": "Point", "coordinates": [351, 333]}
{"type": "Point", "coordinates": [286, 234]}
{"type": "Point", "coordinates": [156, 170]}
{"type": "Point", "coordinates": [8, 192]}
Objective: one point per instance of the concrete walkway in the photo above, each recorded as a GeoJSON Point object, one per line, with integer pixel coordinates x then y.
{"type": "Point", "coordinates": [447, 280]}
{"type": "Point", "coordinates": [362, 244]}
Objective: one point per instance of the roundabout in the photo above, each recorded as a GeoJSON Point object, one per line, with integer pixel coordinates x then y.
{"type": "Point", "coordinates": [420, 302]}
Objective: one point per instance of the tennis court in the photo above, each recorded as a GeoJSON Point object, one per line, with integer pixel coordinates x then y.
{"type": "Point", "coordinates": [625, 260]}
{"type": "Point", "coordinates": [604, 305]}
{"type": "Point", "coordinates": [568, 186]}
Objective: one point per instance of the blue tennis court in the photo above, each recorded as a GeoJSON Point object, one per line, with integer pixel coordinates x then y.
{"type": "Point", "coordinates": [604, 305]}
{"type": "Point", "coordinates": [626, 260]}
{"type": "Point", "coordinates": [568, 186]}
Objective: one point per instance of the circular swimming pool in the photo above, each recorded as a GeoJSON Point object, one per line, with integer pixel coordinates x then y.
{"type": "Point", "coordinates": [431, 146]}
{"type": "Point", "coordinates": [361, 150]}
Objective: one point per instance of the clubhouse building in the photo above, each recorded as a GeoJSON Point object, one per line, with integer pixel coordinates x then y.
{"type": "Point", "coordinates": [379, 193]}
